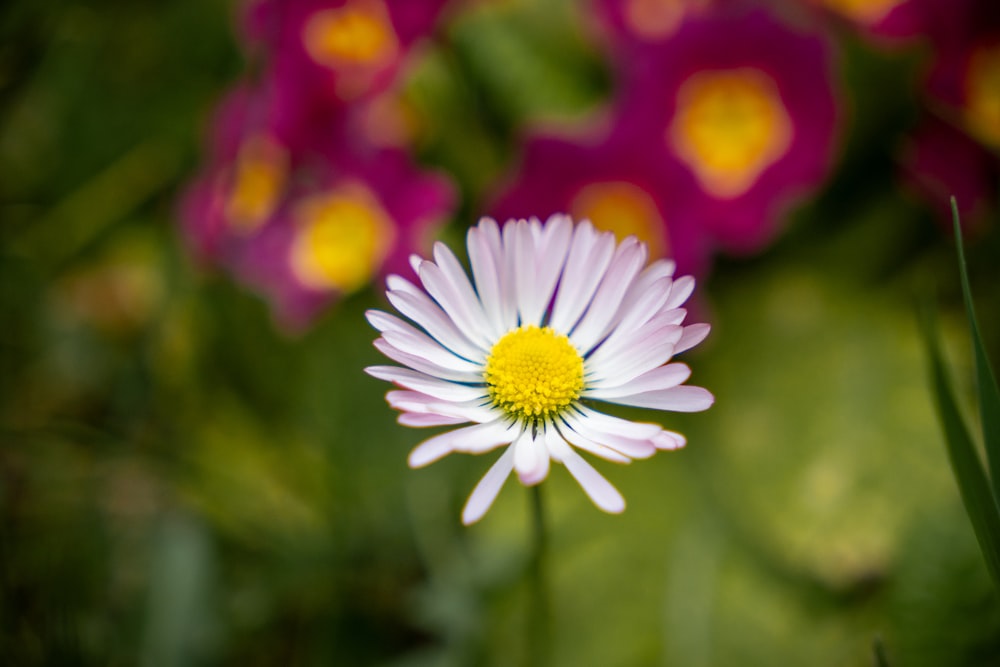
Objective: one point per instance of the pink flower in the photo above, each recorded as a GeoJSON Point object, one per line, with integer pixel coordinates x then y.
{"type": "Point", "coordinates": [746, 104]}
{"type": "Point", "coordinates": [609, 179]}
{"type": "Point", "coordinates": [359, 220]}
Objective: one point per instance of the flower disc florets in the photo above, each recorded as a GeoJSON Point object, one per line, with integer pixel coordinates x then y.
{"type": "Point", "coordinates": [533, 372]}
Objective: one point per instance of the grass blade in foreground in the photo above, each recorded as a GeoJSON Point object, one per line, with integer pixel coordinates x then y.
{"type": "Point", "coordinates": [972, 483]}
{"type": "Point", "coordinates": [986, 382]}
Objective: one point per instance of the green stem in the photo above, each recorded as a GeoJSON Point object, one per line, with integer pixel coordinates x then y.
{"type": "Point", "coordinates": [538, 616]}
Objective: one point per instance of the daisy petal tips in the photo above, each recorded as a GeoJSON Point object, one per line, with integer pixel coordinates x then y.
{"type": "Point", "coordinates": [555, 319]}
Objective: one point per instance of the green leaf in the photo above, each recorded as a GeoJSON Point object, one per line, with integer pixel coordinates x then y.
{"type": "Point", "coordinates": [972, 483]}
{"type": "Point", "coordinates": [986, 382]}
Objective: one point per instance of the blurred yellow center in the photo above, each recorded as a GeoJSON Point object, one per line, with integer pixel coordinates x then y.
{"type": "Point", "coordinates": [357, 33]}
{"type": "Point", "coordinates": [730, 125]}
{"type": "Point", "coordinates": [622, 208]}
{"type": "Point", "coordinates": [866, 12]}
{"type": "Point", "coordinates": [259, 176]}
{"type": "Point", "coordinates": [342, 238]}
{"type": "Point", "coordinates": [534, 372]}
{"type": "Point", "coordinates": [982, 86]}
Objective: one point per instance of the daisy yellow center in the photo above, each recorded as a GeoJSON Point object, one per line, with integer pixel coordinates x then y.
{"type": "Point", "coordinates": [625, 209]}
{"type": "Point", "coordinates": [259, 177]}
{"type": "Point", "coordinates": [342, 237]}
{"type": "Point", "coordinates": [534, 372]}
{"type": "Point", "coordinates": [729, 127]}
{"type": "Point", "coordinates": [982, 85]}
{"type": "Point", "coordinates": [358, 33]}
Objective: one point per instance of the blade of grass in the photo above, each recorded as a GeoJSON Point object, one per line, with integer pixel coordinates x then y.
{"type": "Point", "coordinates": [977, 497]}
{"type": "Point", "coordinates": [986, 382]}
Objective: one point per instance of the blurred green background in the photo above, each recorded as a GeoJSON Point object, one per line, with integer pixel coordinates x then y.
{"type": "Point", "coordinates": [181, 484]}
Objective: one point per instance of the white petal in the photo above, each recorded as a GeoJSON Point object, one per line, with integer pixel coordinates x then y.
{"type": "Point", "coordinates": [589, 255]}
{"type": "Point", "coordinates": [483, 243]}
{"type": "Point", "coordinates": [644, 354]}
{"type": "Point", "coordinates": [425, 384]}
{"type": "Point", "coordinates": [422, 365]}
{"type": "Point", "coordinates": [478, 411]}
{"type": "Point", "coordinates": [600, 491]}
{"type": "Point", "coordinates": [626, 342]}
{"type": "Point", "coordinates": [489, 486]}
{"type": "Point", "coordinates": [421, 420]}
{"type": "Point", "coordinates": [417, 343]}
{"type": "Point", "coordinates": [692, 335]}
{"type": "Point", "coordinates": [676, 399]}
{"type": "Point", "coordinates": [462, 307]}
{"type": "Point", "coordinates": [661, 377]}
{"type": "Point", "coordinates": [641, 304]}
{"type": "Point", "coordinates": [625, 266]}
{"type": "Point", "coordinates": [681, 290]}
{"type": "Point", "coordinates": [550, 249]}
{"type": "Point", "coordinates": [429, 316]}
{"type": "Point", "coordinates": [478, 438]}
{"type": "Point", "coordinates": [531, 458]}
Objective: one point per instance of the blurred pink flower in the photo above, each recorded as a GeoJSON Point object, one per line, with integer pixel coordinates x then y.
{"type": "Point", "coordinates": [360, 220]}
{"type": "Point", "coordinates": [940, 162]}
{"type": "Point", "coordinates": [955, 152]}
{"type": "Point", "coordinates": [337, 51]}
{"type": "Point", "coordinates": [889, 21]}
{"type": "Point", "coordinates": [747, 104]}
{"type": "Point", "coordinates": [610, 179]}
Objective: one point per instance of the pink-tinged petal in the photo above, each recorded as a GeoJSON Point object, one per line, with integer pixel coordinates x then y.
{"type": "Point", "coordinates": [422, 365]}
{"type": "Point", "coordinates": [531, 458]}
{"type": "Point", "coordinates": [625, 266]}
{"type": "Point", "coordinates": [577, 439]}
{"type": "Point", "coordinates": [661, 377]}
{"type": "Point", "coordinates": [630, 447]}
{"type": "Point", "coordinates": [589, 256]}
{"type": "Point", "coordinates": [692, 335]}
{"type": "Point", "coordinates": [675, 399]}
{"type": "Point", "coordinates": [429, 316]}
{"type": "Point", "coordinates": [476, 438]}
{"type": "Point", "coordinates": [425, 384]}
{"type": "Point", "coordinates": [426, 419]}
{"type": "Point", "coordinates": [611, 424]}
{"type": "Point", "coordinates": [488, 488]}
{"type": "Point", "coordinates": [600, 490]}
{"type": "Point", "coordinates": [669, 440]}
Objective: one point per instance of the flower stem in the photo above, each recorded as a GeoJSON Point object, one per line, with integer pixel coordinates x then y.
{"type": "Point", "coordinates": [539, 618]}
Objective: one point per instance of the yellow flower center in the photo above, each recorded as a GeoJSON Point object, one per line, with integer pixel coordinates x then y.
{"type": "Point", "coordinates": [342, 238]}
{"type": "Point", "coordinates": [357, 33]}
{"type": "Point", "coordinates": [258, 178]}
{"type": "Point", "coordinates": [982, 86]}
{"type": "Point", "coordinates": [626, 210]}
{"type": "Point", "coordinates": [866, 12]}
{"type": "Point", "coordinates": [730, 125]}
{"type": "Point", "coordinates": [534, 372]}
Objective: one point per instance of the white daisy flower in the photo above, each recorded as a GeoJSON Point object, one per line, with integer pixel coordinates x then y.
{"type": "Point", "coordinates": [556, 319]}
